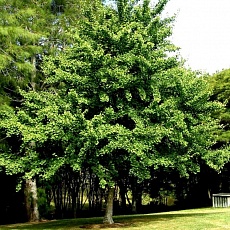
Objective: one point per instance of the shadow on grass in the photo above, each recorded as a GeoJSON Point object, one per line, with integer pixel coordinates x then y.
{"type": "Point", "coordinates": [95, 223]}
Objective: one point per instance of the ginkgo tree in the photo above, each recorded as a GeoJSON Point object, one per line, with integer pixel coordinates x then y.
{"type": "Point", "coordinates": [119, 102]}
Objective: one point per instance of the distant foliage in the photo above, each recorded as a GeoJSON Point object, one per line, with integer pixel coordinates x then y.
{"type": "Point", "coordinates": [221, 92]}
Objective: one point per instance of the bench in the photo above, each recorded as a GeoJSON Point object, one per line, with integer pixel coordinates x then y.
{"type": "Point", "coordinates": [221, 200]}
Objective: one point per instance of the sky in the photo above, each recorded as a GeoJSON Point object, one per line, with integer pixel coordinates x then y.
{"type": "Point", "coordinates": [202, 31]}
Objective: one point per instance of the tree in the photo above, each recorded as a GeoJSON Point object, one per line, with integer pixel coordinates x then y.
{"type": "Point", "coordinates": [117, 103]}
{"type": "Point", "coordinates": [22, 26]}
{"type": "Point", "coordinates": [28, 31]}
{"type": "Point", "coordinates": [220, 83]}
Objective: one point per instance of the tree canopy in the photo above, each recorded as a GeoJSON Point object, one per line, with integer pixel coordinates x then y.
{"type": "Point", "coordinates": [118, 101]}
{"type": "Point", "coordinates": [28, 31]}
{"type": "Point", "coordinates": [220, 83]}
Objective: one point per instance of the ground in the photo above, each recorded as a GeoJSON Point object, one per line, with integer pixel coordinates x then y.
{"type": "Point", "coordinates": [193, 219]}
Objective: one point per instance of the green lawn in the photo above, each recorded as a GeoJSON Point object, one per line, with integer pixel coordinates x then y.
{"type": "Point", "coordinates": [195, 219]}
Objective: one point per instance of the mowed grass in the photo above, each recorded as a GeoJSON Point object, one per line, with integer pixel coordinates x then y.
{"type": "Point", "coordinates": [193, 219]}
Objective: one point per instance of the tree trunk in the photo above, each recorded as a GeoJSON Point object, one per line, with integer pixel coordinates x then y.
{"type": "Point", "coordinates": [136, 197]}
{"type": "Point", "coordinates": [134, 205]}
{"type": "Point", "coordinates": [123, 191]}
{"type": "Point", "coordinates": [108, 218]}
{"type": "Point", "coordinates": [31, 200]}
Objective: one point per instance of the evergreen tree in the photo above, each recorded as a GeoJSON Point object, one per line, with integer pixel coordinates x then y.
{"type": "Point", "coordinates": [28, 30]}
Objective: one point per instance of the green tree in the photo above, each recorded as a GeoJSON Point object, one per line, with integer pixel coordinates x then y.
{"type": "Point", "coordinates": [21, 27]}
{"type": "Point", "coordinates": [220, 82]}
{"type": "Point", "coordinates": [28, 30]}
{"type": "Point", "coordinates": [118, 103]}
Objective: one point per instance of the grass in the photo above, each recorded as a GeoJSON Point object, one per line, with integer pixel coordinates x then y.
{"type": "Point", "coordinates": [194, 219]}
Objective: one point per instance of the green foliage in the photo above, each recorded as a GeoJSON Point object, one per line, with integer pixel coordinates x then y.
{"type": "Point", "coordinates": [117, 103]}
{"type": "Point", "coordinates": [44, 207]}
{"type": "Point", "coordinates": [220, 83]}
{"type": "Point", "coordinates": [21, 26]}
{"type": "Point", "coordinates": [28, 31]}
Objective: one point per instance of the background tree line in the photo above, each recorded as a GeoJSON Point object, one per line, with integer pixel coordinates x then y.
{"type": "Point", "coordinates": [95, 112]}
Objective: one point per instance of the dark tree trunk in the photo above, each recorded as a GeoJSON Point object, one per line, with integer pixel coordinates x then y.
{"type": "Point", "coordinates": [136, 196]}
{"type": "Point", "coordinates": [136, 203]}
{"type": "Point", "coordinates": [108, 218]}
{"type": "Point", "coordinates": [123, 191]}
{"type": "Point", "coordinates": [31, 200]}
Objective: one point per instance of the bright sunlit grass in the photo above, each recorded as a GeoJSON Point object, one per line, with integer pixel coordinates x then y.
{"type": "Point", "coordinates": [194, 219]}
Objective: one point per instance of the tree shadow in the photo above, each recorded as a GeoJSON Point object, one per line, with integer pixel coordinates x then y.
{"type": "Point", "coordinates": [96, 223]}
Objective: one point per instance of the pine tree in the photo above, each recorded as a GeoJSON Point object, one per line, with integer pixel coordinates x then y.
{"type": "Point", "coordinates": [28, 31]}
